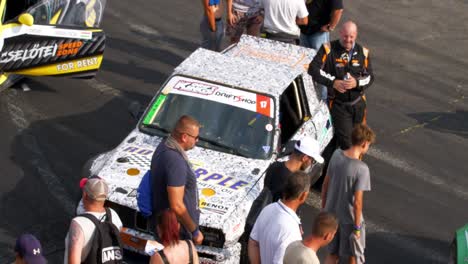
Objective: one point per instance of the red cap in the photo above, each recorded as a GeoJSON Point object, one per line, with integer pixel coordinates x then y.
{"type": "Point", "coordinates": [83, 182]}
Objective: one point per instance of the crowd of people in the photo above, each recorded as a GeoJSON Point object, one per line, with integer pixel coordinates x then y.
{"type": "Point", "coordinates": [342, 72]}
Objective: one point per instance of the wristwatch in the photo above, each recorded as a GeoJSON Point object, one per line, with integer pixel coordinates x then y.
{"type": "Point", "coordinates": [195, 232]}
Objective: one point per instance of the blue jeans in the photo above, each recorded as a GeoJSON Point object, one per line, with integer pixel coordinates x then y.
{"type": "Point", "coordinates": [315, 41]}
{"type": "Point", "coordinates": [211, 40]}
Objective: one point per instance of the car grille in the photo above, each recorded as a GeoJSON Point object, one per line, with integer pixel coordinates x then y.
{"type": "Point", "coordinates": [133, 219]}
{"type": "Point", "coordinates": [212, 237]}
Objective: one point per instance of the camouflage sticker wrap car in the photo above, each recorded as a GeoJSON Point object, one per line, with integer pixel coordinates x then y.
{"type": "Point", "coordinates": [253, 100]}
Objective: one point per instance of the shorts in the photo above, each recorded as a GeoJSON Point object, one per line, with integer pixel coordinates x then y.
{"type": "Point", "coordinates": [243, 21]}
{"type": "Point", "coordinates": [342, 244]}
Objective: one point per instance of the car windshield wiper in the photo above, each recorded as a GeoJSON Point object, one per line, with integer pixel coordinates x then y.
{"type": "Point", "coordinates": [223, 146]}
{"type": "Point", "coordinates": [157, 127]}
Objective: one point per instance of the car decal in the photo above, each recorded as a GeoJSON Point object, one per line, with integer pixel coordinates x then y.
{"type": "Point", "coordinates": [46, 31]}
{"type": "Point", "coordinates": [235, 97]}
{"type": "Point", "coordinates": [154, 110]}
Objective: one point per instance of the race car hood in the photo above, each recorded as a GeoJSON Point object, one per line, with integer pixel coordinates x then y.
{"type": "Point", "coordinates": [227, 183]}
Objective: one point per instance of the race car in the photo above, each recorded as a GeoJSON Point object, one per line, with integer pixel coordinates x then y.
{"type": "Point", "coordinates": [253, 101]}
{"type": "Point", "coordinates": [459, 247]}
{"type": "Point", "coordinates": [50, 38]}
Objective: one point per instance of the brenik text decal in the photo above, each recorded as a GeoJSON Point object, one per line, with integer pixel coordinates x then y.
{"type": "Point", "coordinates": [214, 92]}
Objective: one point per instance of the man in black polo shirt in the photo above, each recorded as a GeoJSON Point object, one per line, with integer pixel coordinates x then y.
{"type": "Point", "coordinates": [173, 180]}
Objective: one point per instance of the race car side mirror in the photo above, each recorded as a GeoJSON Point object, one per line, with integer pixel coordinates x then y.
{"type": "Point", "coordinates": [26, 19]}
{"type": "Point", "coordinates": [135, 110]}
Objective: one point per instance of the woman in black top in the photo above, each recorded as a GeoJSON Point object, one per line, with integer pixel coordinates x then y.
{"type": "Point", "coordinates": [175, 250]}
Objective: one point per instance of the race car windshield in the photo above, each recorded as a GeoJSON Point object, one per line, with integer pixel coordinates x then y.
{"type": "Point", "coordinates": [233, 120]}
{"type": "Point", "coordinates": [83, 13]}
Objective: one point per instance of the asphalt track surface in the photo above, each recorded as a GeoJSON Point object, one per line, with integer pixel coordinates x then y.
{"type": "Point", "coordinates": [417, 106]}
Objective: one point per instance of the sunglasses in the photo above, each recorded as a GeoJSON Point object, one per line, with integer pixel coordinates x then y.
{"type": "Point", "coordinates": [194, 137]}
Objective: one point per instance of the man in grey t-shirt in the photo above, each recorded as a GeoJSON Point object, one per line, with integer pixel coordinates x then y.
{"type": "Point", "coordinates": [305, 251]}
{"type": "Point", "coordinates": [342, 194]}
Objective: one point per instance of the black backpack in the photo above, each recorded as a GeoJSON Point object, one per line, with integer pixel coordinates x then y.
{"type": "Point", "coordinates": [106, 245]}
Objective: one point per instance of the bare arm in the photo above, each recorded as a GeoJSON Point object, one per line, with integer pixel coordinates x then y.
{"type": "Point", "coordinates": [229, 11]}
{"type": "Point", "coordinates": [302, 21]}
{"type": "Point", "coordinates": [335, 18]}
{"type": "Point", "coordinates": [176, 203]}
{"type": "Point", "coordinates": [254, 251]}
{"type": "Point", "coordinates": [209, 14]}
{"type": "Point", "coordinates": [75, 243]}
{"type": "Point", "coordinates": [156, 259]}
{"type": "Point", "coordinates": [357, 207]}
{"type": "Point", "coordinates": [324, 190]}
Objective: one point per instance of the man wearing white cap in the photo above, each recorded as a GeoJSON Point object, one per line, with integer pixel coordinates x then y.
{"type": "Point", "coordinates": [79, 240]}
{"type": "Point", "coordinates": [306, 153]}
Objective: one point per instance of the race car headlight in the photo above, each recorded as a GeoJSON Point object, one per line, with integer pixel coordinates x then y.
{"type": "Point", "coordinates": [212, 237]}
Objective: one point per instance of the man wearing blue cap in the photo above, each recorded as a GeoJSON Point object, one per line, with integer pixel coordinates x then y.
{"type": "Point", "coordinates": [28, 250]}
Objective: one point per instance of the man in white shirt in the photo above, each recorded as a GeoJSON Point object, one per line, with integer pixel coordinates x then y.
{"type": "Point", "coordinates": [282, 18]}
{"type": "Point", "coordinates": [305, 251]}
{"type": "Point", "coordinates": [278, 224]}
{"type": "Point", "coordinates": [82, 230]}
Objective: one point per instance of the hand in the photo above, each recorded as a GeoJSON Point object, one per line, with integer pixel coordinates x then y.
{"type": "Point", "coordinates": [350, 83]}
{"type": "Point", "coordinates": [324, 28]}
{"type": "Point", "coordinates": [357, 234]}
{"type": "Point", "coordinates": [198, 239]}
{"type": "Point", "coordinates": [258, 19]}
{"type": "Point", "coordinates": [231, 19]}
{"type": "Point", "coordinates": [339, 86]}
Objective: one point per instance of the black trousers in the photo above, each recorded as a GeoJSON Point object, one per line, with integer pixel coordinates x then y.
{"type": "Point", "coordinates": [344, 118]}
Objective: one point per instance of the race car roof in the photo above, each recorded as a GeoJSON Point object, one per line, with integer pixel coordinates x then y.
{"type": "Point", "coordinates": [256, 64]}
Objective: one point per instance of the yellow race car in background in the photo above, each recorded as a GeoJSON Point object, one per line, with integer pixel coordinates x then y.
{"type": "Point", "coordinates": [50, 38]}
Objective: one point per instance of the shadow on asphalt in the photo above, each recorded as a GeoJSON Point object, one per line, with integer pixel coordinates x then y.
{"type": "Point", "coordinates": [417, 250]}
{"type": "Point", "coordinates": [50, 154]}
{"type": "Point", "coordinates": [446, 122]}
{"type": "Point", "coordinates": [172, 41]}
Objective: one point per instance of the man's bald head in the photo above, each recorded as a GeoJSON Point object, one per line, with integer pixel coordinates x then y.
{"type": "Point", "coordinates": [348, 34]}
{"type": "Point", "coordinates": [186, 132]}
{"type": "Point", "coordinates": [349, 26]}
{"type": "Point", "coordinates": [186, 123]}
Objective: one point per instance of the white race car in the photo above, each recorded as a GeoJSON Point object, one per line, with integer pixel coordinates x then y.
{"type": "Point", "coordinates": [252, 100]}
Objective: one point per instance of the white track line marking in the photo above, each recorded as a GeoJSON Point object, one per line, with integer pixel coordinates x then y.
{"type": "Point", "coordinates": [408, 168]}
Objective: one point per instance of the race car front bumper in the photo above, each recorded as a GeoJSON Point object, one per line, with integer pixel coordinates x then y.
{"type": "Point", "coordinates": [144, 243]}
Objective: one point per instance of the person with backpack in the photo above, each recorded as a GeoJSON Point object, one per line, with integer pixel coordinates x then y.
{"type": "Point", "coordinates": [93, 236]}
{"type": "Point", "coordinates": [175, 250]}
